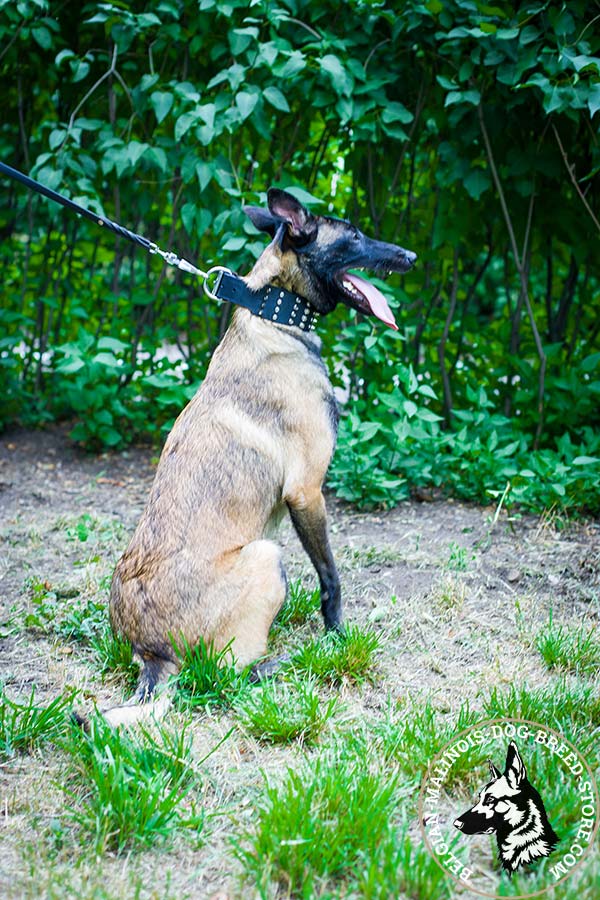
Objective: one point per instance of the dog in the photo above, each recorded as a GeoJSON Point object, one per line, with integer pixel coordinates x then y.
{"type": "Point", "coordinates": [254, 442]}
{"type": "Point", "coordinates": [511, 807]}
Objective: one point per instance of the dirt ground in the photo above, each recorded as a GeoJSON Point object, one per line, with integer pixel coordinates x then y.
{"type": "Point", "coordinates": [455, 597]}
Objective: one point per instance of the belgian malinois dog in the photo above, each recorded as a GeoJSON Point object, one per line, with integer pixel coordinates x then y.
{"type": "Point", "coordinates": [255, 441]}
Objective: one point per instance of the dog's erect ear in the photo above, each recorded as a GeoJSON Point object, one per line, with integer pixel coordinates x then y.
{"type": "Point", "coordinates": [263, 219]}
{"type": "Point", "coordinates": [494, 772]}
{"type": "Point", "coordinates": [515, 772]}
{"type": "Point", "coordinates": [301, 223]}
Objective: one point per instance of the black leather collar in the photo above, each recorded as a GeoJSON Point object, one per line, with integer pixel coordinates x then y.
{"type": "Point", "coordinates": [271, 302]}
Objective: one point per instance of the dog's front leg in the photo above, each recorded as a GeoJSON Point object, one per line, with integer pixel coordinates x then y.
{"type": "Point", "coordinates": [310, 521]}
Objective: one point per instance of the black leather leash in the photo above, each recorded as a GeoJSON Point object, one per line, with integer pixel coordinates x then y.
{"type": "Point", "coordinates": [271, 303]}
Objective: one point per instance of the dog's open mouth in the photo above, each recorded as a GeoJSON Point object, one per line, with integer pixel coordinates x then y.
{"type": "Point", "coordinates": [366, 297]}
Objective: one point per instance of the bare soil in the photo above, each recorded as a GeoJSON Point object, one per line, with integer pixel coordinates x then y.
{"type": "Point", "coordinates": [457, 598]}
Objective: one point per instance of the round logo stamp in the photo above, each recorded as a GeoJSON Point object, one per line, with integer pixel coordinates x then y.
{"type": "Point", "coordinates": [509, 800]}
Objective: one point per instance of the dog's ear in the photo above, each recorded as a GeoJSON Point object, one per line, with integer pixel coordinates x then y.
{"type": "Point", "coordinates": [300, 222]}
{"type": "Point", "coordinates": [514, 772]}
{"type": "Point", "coordinates": [263, 219]}
{"type": "Point", "coordinates": [494, 772]}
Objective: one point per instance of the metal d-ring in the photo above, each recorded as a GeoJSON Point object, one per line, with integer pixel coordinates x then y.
{"type": "Point", "coordinates": [219, 271]}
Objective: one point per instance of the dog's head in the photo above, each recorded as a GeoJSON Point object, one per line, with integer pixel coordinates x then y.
{"type": "Point", "coordinates": [316, 252]}
{"type": "Point", "coordinates": [498, 803]}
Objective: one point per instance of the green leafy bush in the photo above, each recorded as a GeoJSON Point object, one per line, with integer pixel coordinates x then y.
{"type": "Point", "coordinates": [451, 129]}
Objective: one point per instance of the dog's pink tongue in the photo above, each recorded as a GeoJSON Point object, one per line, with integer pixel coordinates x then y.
{"type": "Point", "coordinates": [377, 302]}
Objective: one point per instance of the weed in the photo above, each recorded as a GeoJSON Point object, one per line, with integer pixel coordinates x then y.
{"type": "Point", "coordinates": [449, 595]}
{"type": "Point", "coordinates": [371, 557]}
{"type": "Point", "coordinates": [316, 826]}
{"type": "Point", "coordinates": [459, 558]}
{"type": "Point", "coordinates": [570, 649]}
{"type": "Point", "coordinates": [336, 657]}
{"type": "Point", "coordinates": [80, 531]}
{"type": "Point", "coordinates": [78, 620]}
{"type": "Point", "coordinates": [208, 676]}
{"type": "Point", "coordinates": [132, 786]}
{"type": "Point", "coordinates": [285, 711]}
{"type": "Point", "coordinates": [25, 725]}
{"type": "Point", "coordinates": [299, 605]}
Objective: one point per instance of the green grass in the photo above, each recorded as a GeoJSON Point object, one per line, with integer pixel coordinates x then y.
{"type": "Point", "coordinates": [413, 738]}
{"type": "Point", "coordinates": [571, 707]}
{"type": "Point", "coordinates": [300, 605]}
{"type": "Point", "coordinates": [281, 712]}
{"type": "Point", "coordinates": [317, 825]}
{"type": "Point", "coordinates": [399, 865]}
{"type": "Point", "coordinates": [130, 787]}
{"type": "Point", "coordinates": [570, 649]}
{"type": "Point", "coordinates": [114, 654]}
{"type": "Point", "coordinates": [24, 726]}
{"type": "Point", "coordinates": [564, 702]}
{"type": "Point", "coordinates": [339, 657]}
{"type": "Point", "coordinates": [208, 677]}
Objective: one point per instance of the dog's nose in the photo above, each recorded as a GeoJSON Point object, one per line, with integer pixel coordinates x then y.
{"type": "Point", "coordinates": [458, 824]}
{"type": "Point", "coordinates": [410, 257]}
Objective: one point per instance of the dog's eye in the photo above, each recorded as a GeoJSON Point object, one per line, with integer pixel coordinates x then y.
{"type": "Point", "coordinates": [356, 236]}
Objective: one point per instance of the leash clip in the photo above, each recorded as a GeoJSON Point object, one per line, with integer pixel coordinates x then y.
{"type": "Point", "coordinates": [173, 260]}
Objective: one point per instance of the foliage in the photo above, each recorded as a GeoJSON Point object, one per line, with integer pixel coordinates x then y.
{"type": "Point", "coordinates": [465, 131]}
{"type": "Point", "coordinates": [77, 620]}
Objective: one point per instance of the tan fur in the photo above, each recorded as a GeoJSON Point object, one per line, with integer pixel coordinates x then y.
{"type": "Point", "coordinates": [257, 435]}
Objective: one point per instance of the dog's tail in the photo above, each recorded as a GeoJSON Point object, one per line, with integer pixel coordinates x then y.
{"type": "Point", "coordinates": [152, 698]}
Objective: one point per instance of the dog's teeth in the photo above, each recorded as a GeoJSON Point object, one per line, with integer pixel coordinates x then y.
{"type": "Point", "coordinates": [350, 287]}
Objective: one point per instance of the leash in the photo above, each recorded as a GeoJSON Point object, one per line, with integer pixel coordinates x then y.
{"type": "Point", "coordinates": [272, 303]}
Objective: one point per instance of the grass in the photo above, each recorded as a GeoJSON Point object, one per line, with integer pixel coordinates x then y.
{"type": "Point", "coordinates": [130, 788]}
{"type": "Point", "coordinates": [317, 825]}
{"type": "Point", "coordinates": [24, 726]}
{"type": "Point", "coordinates": [114, 654]}
{"type": "Point", "coordinates": [570, 649]}
{"type": "Point", "coordinates": [412, 739]}
{"type": "Point", "coordinates": [571, 707]}
{"type": "Point", "coordinates": [208, 677]}
{"type": "Point", "coordinates": [286, 711]}
{"type": "Point", "coordinates": [562, 703]}
{"type": "Point", "coordinates": [399, 865]}
{"type": "Point", "coordinates": [449, 595]}
{"type": "Point", "coordinates": [339, 657]}
{"type": "Point", "coordinates": [300, 605]}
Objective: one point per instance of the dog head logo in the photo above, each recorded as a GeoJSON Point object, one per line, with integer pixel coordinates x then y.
{"type": "Point", "coordinates": [511, 807]}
